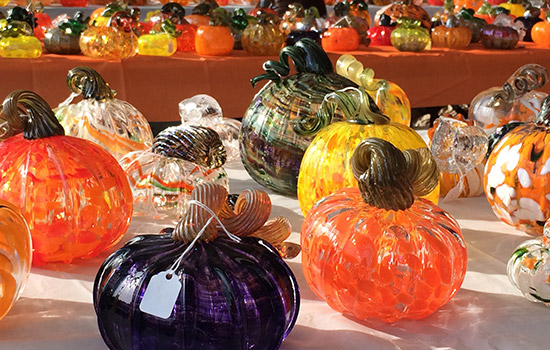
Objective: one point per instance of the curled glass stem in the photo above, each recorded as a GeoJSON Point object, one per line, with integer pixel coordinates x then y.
{"type": "Point", "coordinates": [252, 210]}
{"type": "Point", "coordinates": [89, 83]}
{"type": "Point", "coordinates": [25, 110]}
{"type": "Point", "coordinates": [196, 144]}
{"type": "Point", "coordinates": [528, 78]}
{"type": "Point", "coordinates": [389, 178]}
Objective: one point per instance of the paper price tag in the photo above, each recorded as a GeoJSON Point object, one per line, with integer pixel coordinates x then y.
{"type": "Point", "coordinates": [161, 294]}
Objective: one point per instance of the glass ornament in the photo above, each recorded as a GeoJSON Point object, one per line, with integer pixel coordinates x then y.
{"type": "Point", "coordinates": [516, 178]}
{"type": "Point", "coordinates": [409, 35]}
{"type": "Point", "coordinates": [516, 100]}
{"type": "Point", "coordinates": [231, 292]}
{"type": "Point", "coordinates": [379, 251]}
{"type": "Point", "coordinates": [113, 42]}
{"type": "Point", "coordinates": [65, 38]}
{"type": "Point", "coordinates": [404, 8]}
{"type": "Point", "coordinates": [115, 125]}
{"type": "Point", "coordinates": [271, 150]}
{"type": "Point", "coordinates": [17, 40]}
{"type": "Point", "coordinates": [204, 110]}
{"type": "Point", "coordinates": [15, 255]}
{"type": "Point", "coordinates": [326, 165]}
{"type": "Point", "coordinates": [529, 268]}
{"type": "Point", "coordinates": [388, 96]}
{"type": "Point", "coordinates": [163, 177]}
{"type": "Point", "coordinates": [73, 194]}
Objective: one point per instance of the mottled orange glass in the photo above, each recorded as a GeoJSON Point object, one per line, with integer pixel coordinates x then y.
{"type": "Point", "coordinates": [213, 41]}
{"type": "Point", "coordinates": [340, 39]}
{"type": "Point", "coordinates": [108, 43]}
{"type": "Point", "coordinates": [15, 255]}
{"type": "Point", "coordinates": [73, 194]}
{"type": "Point", "coordinates": [382, 264]}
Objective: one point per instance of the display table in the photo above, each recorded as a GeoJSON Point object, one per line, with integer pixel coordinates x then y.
{"type": "Point", "coordinates": [55, 311]}
{"type": "Point", "coordinates": [155, 85]}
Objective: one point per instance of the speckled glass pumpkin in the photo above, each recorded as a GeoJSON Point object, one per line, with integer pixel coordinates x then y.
{"type": "Point", "coordinates": [529, 268]}
{"type": "Point", "coordinates": [326, 166]}
{"type": "Point", "coordinates": [517, 174]}
{"type": "Point", "coordinates": [111, 123]}
{"type": "Point", "coordinates": [163, 177]}
{"type": "Point", "coordinates": [73, 194]}
{"type": "Point", "coordinates": [271, 150]}
{"type": "Point", "coordinates": [263, 38]}
{"type": "Point", "coordinates": [404, 8]}
{"type": "Point", "coordinates": [379, 251]}
{"type": "Point", "coordinates": [232, 292]}
{"type": "Point", "coordinates": [15, 255]}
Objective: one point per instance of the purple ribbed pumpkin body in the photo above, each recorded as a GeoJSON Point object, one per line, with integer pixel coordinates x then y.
{"type": "Point", "coordinates": [234, 295]}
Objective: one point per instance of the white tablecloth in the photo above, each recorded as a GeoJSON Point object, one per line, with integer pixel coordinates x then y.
{"type": "Point", "coordinates": [56, 312]}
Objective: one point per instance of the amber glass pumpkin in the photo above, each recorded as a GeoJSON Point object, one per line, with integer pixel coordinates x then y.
{"type": "Point", "coordinates": [517, 174]}
{"type": "Point", "coordinates": [113, 42]}
{"type": "Point", "coordinates": [163, 177]}
{"type": "Point", "coordinates": [326, 166]}
{"type": "Point", "coordinates": [388, 96]}
{"type": "Point", "coordinates": [101, 118]}
{"type": "Point", "coordinates": [404, 8]}
{"type": "Point", "coordinates": [378, 251]}
{"type": "Point", "coordinates": [271, 150]}
{"type": "Point", "coordinates": [263, 38]}
{"type": "Point", "coordinates": [15, 255]}
{"type": "Point", "coordinates": [73, 194]}
{"type": "Point", "coordinates": [451, 37]}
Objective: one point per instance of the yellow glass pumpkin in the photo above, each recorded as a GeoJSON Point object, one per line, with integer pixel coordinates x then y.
{"type": "Point", "coordinates": [15, 255]}
{"type": "Point", "coordinates": [326, 165]}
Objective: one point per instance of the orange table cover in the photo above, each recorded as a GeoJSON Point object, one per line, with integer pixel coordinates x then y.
{"type": "Point", "coordinates": [155, 85]}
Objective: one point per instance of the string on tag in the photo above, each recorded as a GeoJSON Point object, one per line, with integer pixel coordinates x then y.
{"type": "Point", "coordinates": [231, 236]}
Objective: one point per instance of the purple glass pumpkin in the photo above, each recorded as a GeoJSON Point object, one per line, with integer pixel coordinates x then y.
{"type": "Point", "coordinates": [235, 294]}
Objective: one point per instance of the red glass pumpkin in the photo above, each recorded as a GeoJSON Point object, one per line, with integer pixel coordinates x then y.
{"type": "Point", "coordinates": [74, 195]}
{"type": "Point", "coordinates": [378, 251]}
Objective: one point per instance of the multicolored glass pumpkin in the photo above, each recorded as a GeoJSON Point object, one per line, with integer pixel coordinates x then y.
{"type": "Point", "coordinates": [65, 38]}
{"type": "Point", "coordinates": [73, 194]}
{"type": "Point", "coordinates": [326, 166]}
{"type": "Point", "coordinates": [271, 150]}
{"type": "Point", "coordinates": [297, 18]}
{"type": "Point", "coordinates": [379, 251]}
{"type": "Point", "coordinates": [517, 180]}
{"type": "Point", "coordinates": [15, 255]}
{"type": "Point", "coordinates": [495, 36]}
{"type": "Point", "coordinates": [404, 8]}
{"type": "Point", "coordinates": [204, 110]}
{"type": "Point", "coordinates": [263, 38]}
{"type": "Point", "coordinates": [529, 268]}
{"type": "Point", "coordinates": [113, 42]}
{"type": "Point", "coordinates": [113, 124]}
{"type": "Point", "coordinates": [388, 96]}
{"type": "Point", "coordinates": [517, 100]}
{"type": "Point", "coordinates": [228, 292]}
{"type": "Point", "coordinates": [409, 35]}
{"type": "Point", "coordinates": [163, 178]}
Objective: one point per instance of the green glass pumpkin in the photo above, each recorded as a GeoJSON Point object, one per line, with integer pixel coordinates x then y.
{"type": "Point", "coordinates": [271, 150]}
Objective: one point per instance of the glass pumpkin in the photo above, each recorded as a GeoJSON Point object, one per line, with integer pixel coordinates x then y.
{"type": "Point", "coordinates": [65, 38]}
{"type": "Point", "coordinates": [326, 163]}
{"type": "Point", "coordinates": [465, 18]}
{"type": "Point", "coordinates": [388, 96]}
{"type": "Point", "coordinates": [113, 42]}
{"type": "Point", "coordinates": [101, 118]}
{"type": "Point", "coordinates": [17, 40]}
{"type": "Point", "coordinates": [379, 251]}
{"type": "Point", "coordinates": [340, 39]}
{"type": "Point", "coordinates": [271, 150]}
{"type": "Point", "coordinates": [214, 41]}
{"type": "Point", "coordinates": [380, 35]}
{"type": "Point", "coordinates": [540, 33]}
{"type": "Point", "coordinates": [15, 255]}
{"type": "Point", "coordinates": [73, 194]}
{"type": "Point", "coordinates": [517, 179]}
{"type": "Point", "coordinates": [499, 37]}
{"type": "Point", "coordinates": [529, 268]}
{"type": "Point", "coordinates": [404, 8]}
{"type": "Point", "coordinates": [231, 292]}
{"type": "Point", "coordinates": [409, 35]}
{"type": "Point", "coordinates": [297, 18]}
{"type": "Point", "coordinates": [160, 41]}
{"type": "Point", "coordinates": [516, 100]}
{"type": "Point", "coordinates": [263, 38]}
{"type": "Point", "coordinates": [204, 110]}
{"type": "Point", "coordinates": [163, 177]}
{"type": "Point", "coordinates": [451, 37]}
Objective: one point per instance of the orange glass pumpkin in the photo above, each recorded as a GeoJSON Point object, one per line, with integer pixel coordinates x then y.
{"type": "Point", "coordinates": [451, 37]}
{"type": "Point", "coordinates": [404, 8]}
{"type": "Point", "coordinates": [379, 251]}
{"type": "Point", "coordinates": [15, 255]}
{"type": "Point", "coordinates": [73, 194]}
{"type": "Point", "coordinates": [540, 33]}
{"type": "Point", "coordinates": [214, 41]}
{"type": "Point", "coordinates": [517, 174]}
{"type": "Point", "coordinates": [340, 39]}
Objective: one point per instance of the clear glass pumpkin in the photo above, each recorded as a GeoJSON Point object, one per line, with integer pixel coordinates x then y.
{"type": "Point", "coordinates": [163, 177]}
{"type": "Point", "coordinates": [15, 255]}
{"type": "Point", "coordinates": [73, 194]}
{"type": "Point", "coordinates": [516, 100]}
{"type": "Point", "coordinates": [529, 268]}
{"type": "Point", "coordinates": [113, 124]}
{"type": "Point", "coordinates": [271, 151]}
